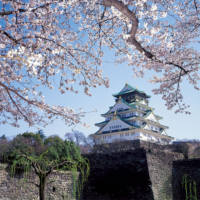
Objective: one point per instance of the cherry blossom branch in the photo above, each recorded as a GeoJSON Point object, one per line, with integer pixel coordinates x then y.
{"type": "Point", "coordinates": [24, 10]}
{"type": "Point", "coordinates": [178, 86]}
{"type": "Point", "coordinates": [119, 5]}
{"type": "Point", "coordinates": [7, 88]}
{"type": "Point", "coordinates": [58, 113]}
{"type": "Point", "coordinates": [17, 106]}
{"type": "Point", "coordinates": [11, 12]}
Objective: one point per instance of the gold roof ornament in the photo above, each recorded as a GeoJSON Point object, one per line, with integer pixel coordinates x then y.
{"type": "Point", "coordinates": [120, 97]}
{"type": "Point", "coordinates": [136, 87]}
{"type": "Point", "coordinates": [126, 82]}
{"type": "Point", "coordinates": [115, 113]}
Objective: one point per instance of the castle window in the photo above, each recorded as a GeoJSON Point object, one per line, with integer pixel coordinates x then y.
{"type": "Point", "coordinates": [132, 133]}
{"type": "Point", "coordinates": [126, 134]}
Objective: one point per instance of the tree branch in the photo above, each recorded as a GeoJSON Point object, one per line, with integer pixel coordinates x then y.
{"type": "Point", "coordinates": [12, 12]}
{"type": "Point", "coordinates": [60, 164]}
{"type": "Point", "coordinates": [119, 5]}
{"type": "Point", "coordinates": [17, 106]}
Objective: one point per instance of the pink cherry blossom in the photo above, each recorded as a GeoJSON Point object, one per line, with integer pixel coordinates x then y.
{"type": "Point", "coordinates": [43, 39]}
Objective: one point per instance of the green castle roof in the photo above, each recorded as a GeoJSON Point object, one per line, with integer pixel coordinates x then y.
{"type": "Point", "coordinates": [133, 89]}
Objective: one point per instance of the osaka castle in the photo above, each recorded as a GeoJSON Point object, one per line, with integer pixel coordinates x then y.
{"type": "Point", "coordinates": [132, 118]}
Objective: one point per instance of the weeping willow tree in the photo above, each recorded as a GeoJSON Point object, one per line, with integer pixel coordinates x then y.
{"type": "Point", "coordinates": [44, 167]}
{"type": "Point", "coordinates": [58, 155]}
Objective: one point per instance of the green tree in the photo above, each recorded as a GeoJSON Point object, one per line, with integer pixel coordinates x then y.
{"type": "Point", "coordinates": [4, 149]}
{"type": "Point", "coordinates": [57, 148]}
{"type": "Point", "coordinates": [41, 133]}
{"type": "Point", "coordinates": [3, 137]}
{"type": "Point", "coordinates": [34, 137]}
{"type": "Point", "coordinates": [26, 142]}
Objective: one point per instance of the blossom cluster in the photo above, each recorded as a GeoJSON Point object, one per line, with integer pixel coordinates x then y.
{"type": "Point", "coordinates": [43, 39]}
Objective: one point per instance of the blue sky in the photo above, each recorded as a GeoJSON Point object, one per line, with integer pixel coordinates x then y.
{"type": "Point", "coordinates": [180, 125]}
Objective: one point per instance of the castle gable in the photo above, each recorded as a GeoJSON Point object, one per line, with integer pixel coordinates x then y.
{"type": "Point", "coordinates": [151, 117]}
{"type": "Point", "coordinates": [126, 88]}
{"type": "Point", "coordinates": [114, 124]}
{"type": "Point", "coordinates": [146, 127]}
{"type": "Point", "coordinates": [143, 103]}
{"type": "Point", "coordinates": [119, 106]}
{"type": "Point", "coordinates": [163, 132]}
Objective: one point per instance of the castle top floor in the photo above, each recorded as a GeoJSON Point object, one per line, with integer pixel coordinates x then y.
{"type": "Point", "coordinates": [131, 94]}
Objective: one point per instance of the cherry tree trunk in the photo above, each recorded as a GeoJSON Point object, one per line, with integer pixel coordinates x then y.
{"type": "Point", "coordinates": [42, 186]}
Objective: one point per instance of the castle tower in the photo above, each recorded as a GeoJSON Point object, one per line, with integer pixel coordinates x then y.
{"type": "Point", "coordinates": [131, 118]}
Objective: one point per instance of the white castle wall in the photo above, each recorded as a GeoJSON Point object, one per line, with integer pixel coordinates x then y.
{"type": "Point", "coordinates": [111, 137]}
{"type": "Point", "coordinates": [129, 114]}
{"type": "Point", "coordinates": [155, 128]}
{"type": "Point", "coordinates": [108, 118]}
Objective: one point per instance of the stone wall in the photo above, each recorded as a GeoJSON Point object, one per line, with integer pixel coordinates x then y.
{"type": "Point", "coordinates": [117, 146]}
{"type": "Point", "coordinates": [131, 144]}
{"type": "Point", "coordinates": [160, 164]}
{"type": "Point", "coordinates": [133, 174]}
{"type": "Point", "coordinates": [117, 176]}
{"type": "Point", "coordinates": [181, 167]}
{"type": "Point", "coordinates": [59, 185]}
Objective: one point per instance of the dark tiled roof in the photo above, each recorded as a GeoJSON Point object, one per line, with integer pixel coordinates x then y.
{"type": "Point", "coordinates": [133, 89]}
